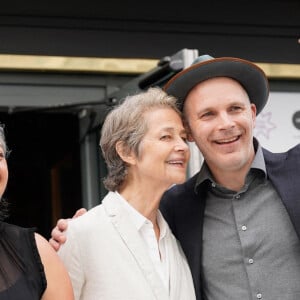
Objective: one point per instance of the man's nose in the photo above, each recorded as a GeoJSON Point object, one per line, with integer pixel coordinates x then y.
{"type": "Point", "coordinates": [226, 120]}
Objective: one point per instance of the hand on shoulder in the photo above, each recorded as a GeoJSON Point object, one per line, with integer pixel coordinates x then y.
{"type": "Point", "coordinates": [58, 236]}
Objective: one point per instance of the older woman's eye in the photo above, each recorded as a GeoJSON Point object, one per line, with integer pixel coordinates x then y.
{"type": "Point", "coordinates": [2, 155]}
{"type": "Point", "coordinates": [165, 137]}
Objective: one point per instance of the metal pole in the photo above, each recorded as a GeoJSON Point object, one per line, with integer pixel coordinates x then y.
{"type": "Point", "coordinates": [89, 163]}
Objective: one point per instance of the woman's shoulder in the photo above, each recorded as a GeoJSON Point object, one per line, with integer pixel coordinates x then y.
{"type": "Point", "coordinates": [58, 281]}
{"type": "Point", "coordinates": [88, 220]}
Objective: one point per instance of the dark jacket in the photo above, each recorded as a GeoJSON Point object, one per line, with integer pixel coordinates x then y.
{"type": "Point", "coordinates": [183, 208]}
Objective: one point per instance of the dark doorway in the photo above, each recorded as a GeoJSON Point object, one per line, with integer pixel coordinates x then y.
{"type": "Point", "coordinates": [44, 168]}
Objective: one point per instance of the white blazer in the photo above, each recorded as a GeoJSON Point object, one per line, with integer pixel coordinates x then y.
{"type": "Point", "coordinates": [108, 260]}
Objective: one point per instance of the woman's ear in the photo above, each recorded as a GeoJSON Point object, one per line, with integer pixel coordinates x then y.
{"type": "Point", "coordinates": [190, 137]}
{"type": "Point", "coordinates": [188, 131]}
{"type": "Point", "coordinates": [125, 154]}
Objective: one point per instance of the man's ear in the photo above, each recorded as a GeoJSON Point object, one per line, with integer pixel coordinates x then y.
{"type": "Point", "coordinates": [253, 111]}
{"type": "Point", "coordinates": [125, 154]}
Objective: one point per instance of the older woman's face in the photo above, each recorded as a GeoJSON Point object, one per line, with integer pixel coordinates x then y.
{"type": "Point", "coordinates": [163, 153]}
{"type": "Point", "coordinates": [3, 172]}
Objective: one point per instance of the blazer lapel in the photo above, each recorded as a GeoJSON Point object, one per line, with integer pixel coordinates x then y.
{"type": "Point", "coordinates": [174, 271]}
{"type": "Point", "coordinates": [283, 170]}
{"type": "Point", "coordinates": [134, 243]}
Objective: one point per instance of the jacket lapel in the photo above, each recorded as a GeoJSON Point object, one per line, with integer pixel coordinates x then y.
{"type": "Point", "coordinates": [283, 171]}
{"type": "Point", "coordinates": [133, 241]}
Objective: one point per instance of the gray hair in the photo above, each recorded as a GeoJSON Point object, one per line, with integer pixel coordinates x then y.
{"type": "Point", "coordinates": [2, 140]}
{"type": "Point", "coordinates": [126, 124]}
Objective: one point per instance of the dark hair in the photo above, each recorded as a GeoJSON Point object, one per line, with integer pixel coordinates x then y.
{"type": "Point", "coordinates": [3, 203]}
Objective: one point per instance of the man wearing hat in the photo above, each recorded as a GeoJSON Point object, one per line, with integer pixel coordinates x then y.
{"type": "Point", "coordinates": [238, 218]}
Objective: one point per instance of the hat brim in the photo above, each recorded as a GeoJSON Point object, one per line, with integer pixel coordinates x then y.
{"type": "Point", "coordinates": [250, 76]}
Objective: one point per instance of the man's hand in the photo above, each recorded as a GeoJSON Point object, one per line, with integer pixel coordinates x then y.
{"type": "Point", "coordinates": [58, 236]}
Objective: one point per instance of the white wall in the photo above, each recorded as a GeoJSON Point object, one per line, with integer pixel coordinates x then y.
{"type": "Point", "coordinates": [278, 125]}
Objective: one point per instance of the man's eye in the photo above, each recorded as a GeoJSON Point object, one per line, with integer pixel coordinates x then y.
{"type": "Point", "coordinates": [236, 108]}
{"type": "Point", "coordinates": [207, 114]}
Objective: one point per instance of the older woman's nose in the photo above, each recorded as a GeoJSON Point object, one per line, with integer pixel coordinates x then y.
{"type": "Point", "coordinates": [181, 145]}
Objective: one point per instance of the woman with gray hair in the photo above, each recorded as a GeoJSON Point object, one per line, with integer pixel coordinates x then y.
{"type": "Point", "coordinates": [29, 267]}
{"type": "Point", "coordinates": [123, 248]}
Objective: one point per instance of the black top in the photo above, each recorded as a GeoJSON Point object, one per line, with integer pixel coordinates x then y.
{"type": "Point", "coordinates": [21, 270]}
